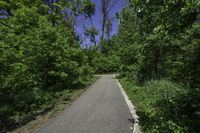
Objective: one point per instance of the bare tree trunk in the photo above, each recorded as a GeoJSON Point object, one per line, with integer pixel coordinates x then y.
{"type": "Point", "coordinates": [104, 12]}
{"type": "Point", "coordinates": [103, 27]}
{"type": "Point", "coordinates": [107, 5]}
{"type": "Point", "coordinates": [91, 21]}
{"type": "Point", "coordinates": [94, 39]}
{"type": "Point", "coordinates": [93, 36]}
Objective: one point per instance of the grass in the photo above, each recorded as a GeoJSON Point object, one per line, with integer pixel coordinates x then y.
{"type": "Point", "coordinates": [164, 106]}
{"type": "Point", "coordinates": [64, 100]}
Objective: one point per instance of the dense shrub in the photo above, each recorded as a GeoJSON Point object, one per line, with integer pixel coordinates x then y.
{"type": "Point", "coordinates": [160, 40]}
{"type": "Point", "coordinates": [102, 62]}
{"type": "Point", "coordinates": [106, 64]}
{"type": "Point", "coordinates": [164, 106]}
{"type": "Point", "coordinates": [154, 47]}
{"type": "Point", "coordinates": [37, 59]}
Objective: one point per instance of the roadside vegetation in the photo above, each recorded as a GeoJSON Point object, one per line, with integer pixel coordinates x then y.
{"type": "Point", "coordinates": [159, 50]}
{"type": "Point", "coordinates": [164, 106]}
{"type": "Point", "coordinates": [156, 52]}
{"type": "Point", "coordinates": [40, 59]}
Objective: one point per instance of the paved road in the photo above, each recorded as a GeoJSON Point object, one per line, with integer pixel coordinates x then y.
{"type": "Point", "coordinates": [101, 109]}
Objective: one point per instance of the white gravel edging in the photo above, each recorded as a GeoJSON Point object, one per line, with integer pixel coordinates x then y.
{"type": "Point", "coordinates": [136, 127]}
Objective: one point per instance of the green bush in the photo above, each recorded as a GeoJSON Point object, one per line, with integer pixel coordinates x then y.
{"type": "Point", "coordinates": [164, 106]}
{"type": "Point", "coordinates": [37, 60]}
{"type": "Point", "coordinates": [102, 62]}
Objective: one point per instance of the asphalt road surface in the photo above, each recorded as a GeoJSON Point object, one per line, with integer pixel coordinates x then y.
{"type": "Point", "coordinates": [101, 109]}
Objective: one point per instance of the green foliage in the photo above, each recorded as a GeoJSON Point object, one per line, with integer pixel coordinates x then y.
{"type": "Point", "coordinates": [155, 39]}
{"type": "Point", "coordinates": [189, 56]}
{"type": "Point", "coordinates": [105, 64]}
{"type": "Point", "coordinates": [88, 8]}
{"type": "Point", "coordinates": [164, 106]}
{"type": "Point", "coordinates": [92, 32]}
{"type": "Point", "coordinates": [160, 40]}
{"type": "Point", "coordinates": [102, 63]}
{"type": "Point", "coordinates": [38, 58]}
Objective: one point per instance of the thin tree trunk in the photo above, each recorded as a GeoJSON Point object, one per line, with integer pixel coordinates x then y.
{"type": "Point", "coordinates": [103, 27]}
{"type": "Point", "coordinates": [93, 36]}
{"type": "Point", "coordinates": [91, 21]}
{"type": "Point", "coordinates": [94, 39]}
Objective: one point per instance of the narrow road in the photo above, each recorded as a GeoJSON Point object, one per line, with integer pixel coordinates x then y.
{"type": "Point", "coordinates": [101, 109]}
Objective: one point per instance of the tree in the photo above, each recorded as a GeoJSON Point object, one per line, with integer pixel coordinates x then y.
{"type": "Point", "coordinates": [89, 10]}
{"type": "Point", "coordinates": [150, 25]}
{"type": "Point", "coordinates": [106, 6]}
{"type": "Point", "coordinates": [38, 61]}
{"type": "Point", "coordinates": [109, 26]}
{"type": "Point", "coordinates": [92, 32]}
{"type": "Point", "coordinates": [74, 9]}
{"type": "Point", "coordinates": [158, 40]}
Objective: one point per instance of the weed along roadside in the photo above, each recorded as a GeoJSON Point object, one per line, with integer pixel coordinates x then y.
{"type": "Point", "coordinates": [161, 106]}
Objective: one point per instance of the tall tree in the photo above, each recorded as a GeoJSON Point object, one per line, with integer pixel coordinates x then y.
{"type": "Point", "coordinates": [37, 60]}
{"type": "Point", "coordinates": [89, 10]}
{"type": "Point", "coordinates": [106, 6]}
{"type": "Point", "coordinates": [109, 27]}
{"type": "Point", "coordinates": [74, 9]}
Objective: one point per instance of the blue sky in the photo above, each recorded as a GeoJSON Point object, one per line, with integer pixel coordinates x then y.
{"type": "Point", "coordinates": [97, 18]}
